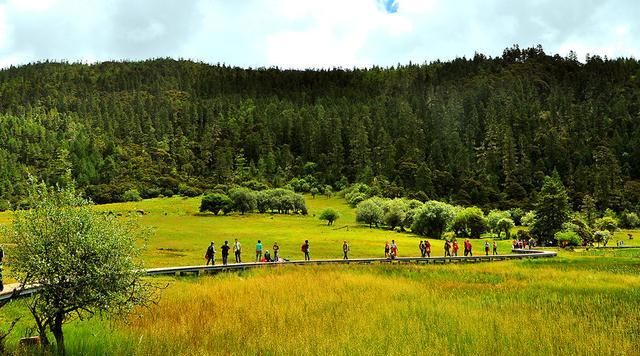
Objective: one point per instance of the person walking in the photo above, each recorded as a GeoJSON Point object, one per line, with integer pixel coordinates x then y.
{"type": "Point", "coordinates": [258, 251]}
{"type": "Point", "coordinates": [225, 252]}
{"type": "Point", "coordinates": [467, 248]}
{"type": "Point", "coordinates": [422, 249]}
{"type": "Point", "coordinates": [455, 248]}
{"type": "Point", "coordinates": [345, 250]}
{"type": "Point", "coordinates": [276, 251]}
{"type": "Point", "coordinates": [447, 249]}
{"type": "Point", "coordinates": [237, 250]}
{"type": "Point", "coordinates": [387, 249]}
{"type": "Point", "coordinates": [495, 247]}
{"type": "Point", "coordinates": [305, 249]}
{"type": "Point", "coordinates": [427, 248]}
{"type": "Point", "coordinates": [486, 248]}
{"type": "Point", "coordinates": [394, 250]}
{"type": "Point", "coordinates": [210, 254]}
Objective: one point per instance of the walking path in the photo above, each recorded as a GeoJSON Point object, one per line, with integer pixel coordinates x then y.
{"type": "Point", "coordinates": [181, 270]}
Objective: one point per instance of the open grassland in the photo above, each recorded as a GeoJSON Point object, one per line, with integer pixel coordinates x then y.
{"type": "Point", "coordinates": [581, 303]}
{"type": "Point", "coordinates": [181, 234]}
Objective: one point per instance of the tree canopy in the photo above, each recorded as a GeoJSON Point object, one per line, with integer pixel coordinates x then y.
{"type": "Point", "coordinates": [479, 131]}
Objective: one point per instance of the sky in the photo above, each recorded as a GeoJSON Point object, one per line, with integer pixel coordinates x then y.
{"type": "Point", "coordinates": [311, 33]}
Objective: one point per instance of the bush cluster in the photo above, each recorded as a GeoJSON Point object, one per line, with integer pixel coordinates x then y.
{"type": "Point", "coordinates": [245, 200]}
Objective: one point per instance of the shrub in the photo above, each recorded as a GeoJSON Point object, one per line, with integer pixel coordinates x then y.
{"type": "Point", "coordinates": [216, 202]}
{"type": "Point", "coordinates": [188, 191]}
{"type": "Point", "coordinates": [244, 200]}
{"type": "Point", "coordinates": [330, 215]}
{"type": "Point", "coordinates": [254, 185]}
{"type": "Point", "coordinates": [131, 195]}
{"type": "Point", "coordinates": [567, 238]}
{"type": "Point", "coordinates": [469, 222]}
{"type": "Point", "coordinates": [5, 205]}
{"type": "Point", "coordinates": [369, 212]}
{"type": "Point", "coordinates": [314, 191]}
{"type": "Point", "coordinates": [433, 219]}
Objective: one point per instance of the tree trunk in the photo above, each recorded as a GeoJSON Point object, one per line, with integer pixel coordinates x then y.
{"type": "Point", "coordinates": [56, 329]}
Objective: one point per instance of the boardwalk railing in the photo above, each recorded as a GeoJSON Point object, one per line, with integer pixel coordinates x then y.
{"type": "Point", "coordinates": [201, 269]}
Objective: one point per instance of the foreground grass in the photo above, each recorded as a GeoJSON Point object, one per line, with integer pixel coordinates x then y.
{"type": "Point", "coordinates": [551, 306]}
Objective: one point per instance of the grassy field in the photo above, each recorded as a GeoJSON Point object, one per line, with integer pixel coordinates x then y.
{"type": "Point", "coordinates": [181, 234]}
{"type": "Point", "coordinates": [580, 303]}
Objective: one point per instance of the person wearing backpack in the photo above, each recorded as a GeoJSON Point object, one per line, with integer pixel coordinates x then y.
{"type": "Point", "coordinates": [210, 254]}
{"type": "Point", "coordinates": [345, 250]}
{"type": "Point", "coordinates": [225, 252]}
{"type": "Point", "coordinates": [237, 250]}
{"type": "Point", "coordinates": [305, 248]}
{"type": "Point", "coordinates": [422, 248]}
{"type": "Point", "coordinates": [447, 249]}
{"type": "Point", "coordinates": [486, 248]}
{"type": "Point", "coordinates": [258, 251]}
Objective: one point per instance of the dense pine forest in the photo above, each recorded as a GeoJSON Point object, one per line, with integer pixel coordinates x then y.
{"type": "Point", "coordinates": [482, 131]}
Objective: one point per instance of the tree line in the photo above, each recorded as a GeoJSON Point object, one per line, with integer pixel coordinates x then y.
{"type": "Point", "coordinates": [481, 131]}
{"type": "Point", "coordinates": [551, 221]}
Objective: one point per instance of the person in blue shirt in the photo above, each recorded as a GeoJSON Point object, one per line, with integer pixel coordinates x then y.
{"type": "Point", "coordinates": [258, 251]}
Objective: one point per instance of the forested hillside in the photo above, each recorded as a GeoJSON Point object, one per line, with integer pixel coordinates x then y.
{"type": "Point", "coordinates": [481, 131]}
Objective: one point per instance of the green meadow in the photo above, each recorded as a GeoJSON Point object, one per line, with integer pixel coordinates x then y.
{"type": "Point", "coordinates": [579, 303]}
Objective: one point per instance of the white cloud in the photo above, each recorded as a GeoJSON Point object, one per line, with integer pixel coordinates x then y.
{"type": "Point", "coordinates": [310, 33]}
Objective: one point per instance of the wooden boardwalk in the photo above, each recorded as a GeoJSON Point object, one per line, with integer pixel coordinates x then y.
{"type": "Point", "coordinates": [517, 254]}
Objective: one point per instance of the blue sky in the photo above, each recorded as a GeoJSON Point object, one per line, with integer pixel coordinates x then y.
{"type": "Point", "coordinates": [310, 33]}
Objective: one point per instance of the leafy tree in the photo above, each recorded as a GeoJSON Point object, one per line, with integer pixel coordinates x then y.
{"type": "Point", "coordinates": [215, 202]}
{"type": "Point", "coordinates": [607, 223]}
{"type": "Point", "coordinates": [529, 218]}
{"type": "Point", "coordinates": [395, 212]}
{"type": "Point", "coordinates": [602, 237]}
{"type": "Point", "coordinates": [552, 208]}
{"type": "Point", "coordinates": [244, 200]}
{"type": "Point", "coordinates": [330, 215]}
{"type": "Point", "coordinates": [629, 220]}
{"type": "Point", "coordinates": [433, 219]}
{"type": "Point", "coordinates": [314, 191]}
{"type": "Point", "coordinates": [505, 224]}
{"type": "Point", "coordinates": [516, 215]}
{"type": "Point", "coordinates": [85, 262]}
{"type": "Point", "coordinates": [567, 238]}
{"type": "Point", "coordinates": [470, 222]}
{"type": "Point", "coordinates": [369, 212]}
{"type": "Point", "coordinates": [588, 208]}
{"type": "Point", "coordinates": [131, 195]}
{"type": "Point", "coordinates": [497, 221]}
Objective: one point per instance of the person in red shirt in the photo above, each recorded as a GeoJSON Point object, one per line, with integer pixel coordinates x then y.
{"type": "Point", "coordinates": [455, 248]}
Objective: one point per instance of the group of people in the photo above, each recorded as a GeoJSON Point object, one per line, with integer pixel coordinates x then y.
{"type": "Point", "coordinates": [524, 243]}
{"type": "Point", "coordinates": [262, 255]}
{"type": "Point", "coordinates": [390, 250]}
